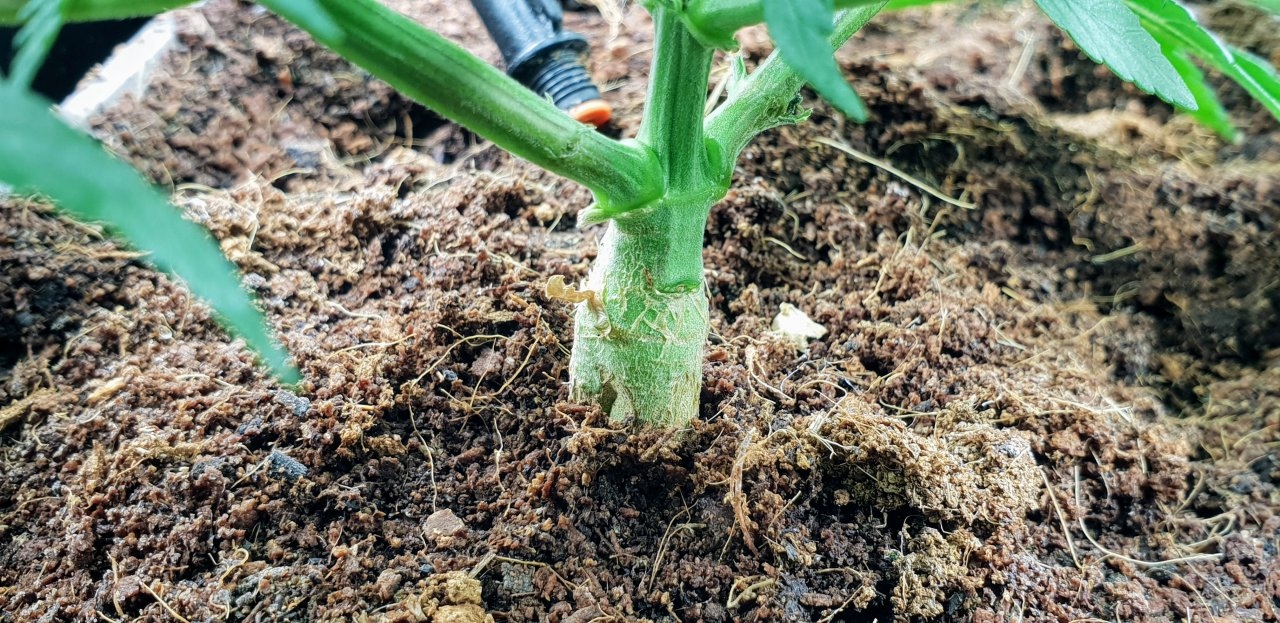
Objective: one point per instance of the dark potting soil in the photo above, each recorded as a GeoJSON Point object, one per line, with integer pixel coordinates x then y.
{"type": "Point", "coordinates": [1060, 404]}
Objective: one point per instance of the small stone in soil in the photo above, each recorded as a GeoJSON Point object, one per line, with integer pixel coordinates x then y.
{"type": "Point", "coordinates": [516, 580]}
{"type": "Point", "coordinates": [443, 523]}
{"type": "Point", "coordinates": [298, 404]}
{"type": "Point", "coordinates": [284, 466]}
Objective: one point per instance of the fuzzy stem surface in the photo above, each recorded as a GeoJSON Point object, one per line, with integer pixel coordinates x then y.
{"type": "Point", "coordinates": [638, 352]}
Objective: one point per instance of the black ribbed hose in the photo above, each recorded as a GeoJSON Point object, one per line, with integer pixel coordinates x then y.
{"type": "Point", "coordinates": [537, 51]}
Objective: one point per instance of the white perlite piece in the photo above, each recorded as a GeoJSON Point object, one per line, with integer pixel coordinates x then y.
{"type": "Point", "coordinates": [795, 326]}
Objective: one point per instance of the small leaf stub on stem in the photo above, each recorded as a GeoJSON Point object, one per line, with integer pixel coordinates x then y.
{"type": "Point", "coordinates": [557, 289]}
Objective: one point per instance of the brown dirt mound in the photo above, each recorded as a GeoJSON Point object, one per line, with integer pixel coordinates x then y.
{"type": "Point", "coordinates": [1062, 405]}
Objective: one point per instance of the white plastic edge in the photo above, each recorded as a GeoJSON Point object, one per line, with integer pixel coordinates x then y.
{"type": "Point", "coordinates": [126, 71]}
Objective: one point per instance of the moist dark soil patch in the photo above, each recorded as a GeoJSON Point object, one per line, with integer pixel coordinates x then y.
{"type": "Point", "coordinates": [1061, 405]}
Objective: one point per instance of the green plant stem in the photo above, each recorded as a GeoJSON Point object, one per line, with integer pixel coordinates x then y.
{"type": "Point", "coordinates": [717, 20]}
{"type": "Point", "coordinates": [95, 10]}
{"type": "Point", "coordinates": [460, 86]}
{"type": "Point", "coordinates": [765, 100]}
{"type": "Point", "coordinates": [638, 350]}
{"type": "Point", "coordinates": [672, 124]}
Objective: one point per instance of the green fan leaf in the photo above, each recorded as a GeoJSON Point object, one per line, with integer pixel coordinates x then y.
{"type": "Point", "coordinates": [311, 16]}
{"type": "Point", "coordinates": [1264, 81]}
{"type": "Point", "coordinates": [800, 29]}
{"type": "Point", "coordinates": [91, 10]}
{"type": "Point", "coordinates": [41, 21]}
{"type": "Point", "coordinates": [1270, 6]}
{"type": "Point", "coordinates": [39, 153]}
{"type": "Point", "coordinates": [1210, 113]}
{"type": "Point", "coordinates": [1176, 28]}
{"type": "Point", "coordinates": [1110, 33]}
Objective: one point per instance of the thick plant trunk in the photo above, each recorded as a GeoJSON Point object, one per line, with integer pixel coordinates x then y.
{"type": "Point", "coordinates": [639, 338]}
{"type": "Point", "coordinates": [639, 343]}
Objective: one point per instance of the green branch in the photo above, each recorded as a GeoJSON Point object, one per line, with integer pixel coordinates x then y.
{"type": "Point", "coordinates": [453, 82]}
{"type": "Point", "coordinates": [766, 99]}
{"type": "Point", "coordinates": [465, 89]}
{"type": "Point", "coordinates": [717, 20]}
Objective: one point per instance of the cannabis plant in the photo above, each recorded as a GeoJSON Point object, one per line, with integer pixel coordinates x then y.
{"type": "Point", "coordinates": [642, 314]}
